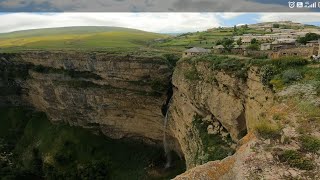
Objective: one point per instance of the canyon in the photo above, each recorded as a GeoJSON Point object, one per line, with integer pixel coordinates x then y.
{"type": "Point", "coordinates": [209, 111]}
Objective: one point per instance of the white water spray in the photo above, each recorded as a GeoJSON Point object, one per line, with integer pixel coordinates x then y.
{"type": "Point", "coordinates": [165, 142]}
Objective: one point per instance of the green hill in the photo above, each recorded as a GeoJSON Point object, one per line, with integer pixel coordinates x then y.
{"type": "Point", "coordinates": [78, 38]}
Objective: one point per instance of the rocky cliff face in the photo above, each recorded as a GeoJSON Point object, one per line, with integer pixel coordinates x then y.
{"type": "Point", "coordinates": [228, 106]}
{"type": "Point", "coordinates": [120, 95]}
{"type": "Point", "coordinates": [124, 97]}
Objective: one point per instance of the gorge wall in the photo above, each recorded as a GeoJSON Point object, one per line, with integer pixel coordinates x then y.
{"type": "Point", "coordinates": [124, 97]}
{"type": "Point", "coordinates": [228, 106]}
{"type": "Point", "coordinates": [120, 95]}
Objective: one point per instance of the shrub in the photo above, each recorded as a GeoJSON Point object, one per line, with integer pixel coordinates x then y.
{"type": "Point", "coordinates": [214, 146]}
{"type": "Point", "coordinates": [267, 73]}
{"type": "Point", "coordinates": [267, 130]}
{"type": "Point", "coordinates": [310, 143]}
{"type": "Point", "coordinates": [276, 25]}
{"type": "Point", "coordinates": [227, 44]}
{"type": "Point", "coordinates": [286, 62]}
{"type": "Point", "coordinates": [253, 47]}
{"type": "Point", "coordinates": [192, 74]}
{"type": "Point", "coordinates": [291, 75]}
{"type": "Point", "coordinates": [172, 59]}
{"type": "Point", "coordinates": [277, 83]}
{"type": "Point", "coordinates": [296, 160]}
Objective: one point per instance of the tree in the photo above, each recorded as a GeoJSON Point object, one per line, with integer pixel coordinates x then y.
{"type": "Point", "coordinates": [246, 26]}
{"type": "Point", "coordinates": [253, 46]}
{"type": "Point", "coordinates": [254, 41]}
{"type": "Point", "coordinates": [234, 28]}
{"type": "Point", "coordinates": [239, 41]}
{"type": "Point", "coordinates": [308, 37]}
{"type": "Point", "coordinates": [227, 43]}
{"type": "Point", "coordinates": [276, 25]}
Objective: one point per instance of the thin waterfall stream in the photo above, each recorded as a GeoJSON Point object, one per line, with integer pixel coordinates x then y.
{"type": "Point", "coordinates": [165, 141]}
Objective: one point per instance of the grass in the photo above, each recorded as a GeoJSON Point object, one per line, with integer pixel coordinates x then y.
{"type": "Point", "coordinates": [64, 152]}
{"type": "Point", "coordinates": [267, 130]}
{"type": "Point", "coordinates": [78, 38]}
{"type": "Point", "coordinates": [310, 143]}
{"type": "Point", "coordinates": [192, 74]}
{"type": "Point", "coordinates": [309, 109]}
{"type": "Point", "coordinates": [280, 73]}
{"type": "Point", "coordinates": [296, 159]}
{"type": "Point", "coordinates": [235, 66]}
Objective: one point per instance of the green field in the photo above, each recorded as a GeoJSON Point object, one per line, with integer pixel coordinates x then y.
{"type": "Point", "coordinates": [205, 39]}
{"type": "Point", "coordinates": [78, 38]}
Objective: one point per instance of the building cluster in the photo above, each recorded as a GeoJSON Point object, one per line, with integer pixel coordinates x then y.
{"type": "Point", "coordinates": [277, 43]}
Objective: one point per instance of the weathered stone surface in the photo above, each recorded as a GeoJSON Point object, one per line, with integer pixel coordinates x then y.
{"type": "Point", "coordinates": [236, 104]}
{"type": "Point", "coordinates": [125, 102]}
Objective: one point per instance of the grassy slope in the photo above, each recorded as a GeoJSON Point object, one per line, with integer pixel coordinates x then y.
{"type": "Point", "coordinates": [205, 39]}
{"type": "Point", "coordinates": [77, 38]}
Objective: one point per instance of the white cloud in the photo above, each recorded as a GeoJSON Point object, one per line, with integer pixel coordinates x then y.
{"type": "Point", "coordinates": [296, 17]}
{"type": "Point", "coordinates": [230, 15]}
{"type": "Point", "coordinates": [154, 22]}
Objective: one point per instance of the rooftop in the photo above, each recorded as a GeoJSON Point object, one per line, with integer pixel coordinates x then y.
{"type": "Point", "coordinates": [197, 50]}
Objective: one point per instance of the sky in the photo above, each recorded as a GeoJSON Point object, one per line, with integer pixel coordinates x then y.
{"type": "Point", "coordinates": [146, 6]}
{"type": "Point", "coordinates": [153, 22]}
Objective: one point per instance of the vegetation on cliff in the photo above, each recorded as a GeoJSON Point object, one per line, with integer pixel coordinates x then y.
{"type": "Point", "coordinates": [275, 74]}
{"type": "Point", "coordinates": [31, 147]}
{"type": "Point", "coordinates": [214, 146]}
{"type": "Point", "coordinates": [235, 66]}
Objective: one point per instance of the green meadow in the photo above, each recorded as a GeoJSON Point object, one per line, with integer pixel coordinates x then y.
{"type": "Point", "coordinates": [78, 38]}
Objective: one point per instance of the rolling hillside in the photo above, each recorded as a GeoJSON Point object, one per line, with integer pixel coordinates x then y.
{"type": "Point", "coordinates": [77, 38]}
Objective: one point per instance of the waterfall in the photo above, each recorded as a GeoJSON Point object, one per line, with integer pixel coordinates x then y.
{"type": "Point", "coordinates": [165, 142]}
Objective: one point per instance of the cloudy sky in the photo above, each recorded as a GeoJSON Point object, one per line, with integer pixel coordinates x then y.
{"type": "Point", "coordinates": [162, 16]}
{"type": "Point", "coordinates": [146, 6]}
{"type": "Point", "coordinates": [154, 22]}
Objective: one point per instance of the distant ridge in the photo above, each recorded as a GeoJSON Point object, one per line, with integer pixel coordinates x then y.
{"type": "Point", "coordinates": [78, 37]}
{"type": "Point", "coordinates": [65, 30]}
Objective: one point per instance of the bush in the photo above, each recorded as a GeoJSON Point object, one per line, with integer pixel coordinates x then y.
{"type": "Point", "coordinates": [291, 75]}
{"type": "Point", "coordinates": [268, 131]}
{"type": "Point", "coordinates": [310, 143]}
{"type": "Point", "coordinates": [296, 160]}
{"type": "Point", "coordinates": [277, 84]}
{"type": "Point", "coordinates": [267, 73]}
{"type": "Point", "coordinates": [286, 62]}
{"type": "Point", "coordinates": [308, 37]}
{"type": "Point", "coordinates": [254, 47]}
{"type": "Point", "coordinates": [192, 74]}
{"type": "Point", "coordinates": [214, 147]}
{"type": "Point", "coordinates": [276, 25]}
{"type": "Point", "coordinates": [227, 43]}
{"type": "Point", "coordinates": [172, 59]}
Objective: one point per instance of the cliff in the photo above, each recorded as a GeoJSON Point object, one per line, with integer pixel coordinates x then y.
{"type": "Point", "coordinates": [228, 106]}
{"type": "Point", "coordinates": [223, 119]}
{"type": "Point", "coordinates": [122, 96]}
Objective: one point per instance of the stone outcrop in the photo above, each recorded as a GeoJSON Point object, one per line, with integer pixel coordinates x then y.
{"type": "Point", "coordinates": [221, 98]}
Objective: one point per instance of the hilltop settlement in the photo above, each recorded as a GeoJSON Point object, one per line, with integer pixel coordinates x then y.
{"type": "Point", "coordinates": [272, 40]}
